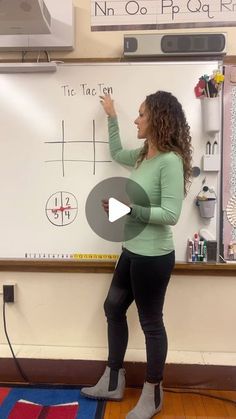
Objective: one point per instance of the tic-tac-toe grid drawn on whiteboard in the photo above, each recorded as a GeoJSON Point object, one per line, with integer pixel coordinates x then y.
{"type": "Point", "coordinates": [63, 141]}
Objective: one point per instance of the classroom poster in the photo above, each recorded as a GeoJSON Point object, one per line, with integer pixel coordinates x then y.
{"type": "Point", "coordinates": [161, 14]}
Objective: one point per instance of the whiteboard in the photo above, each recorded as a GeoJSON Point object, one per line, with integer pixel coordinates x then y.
{"type": "Point", "coordinates": [54, 141]}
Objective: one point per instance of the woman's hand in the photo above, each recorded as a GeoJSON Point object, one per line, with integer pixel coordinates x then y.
{"type": "Point", "coordinates": [108, 105]}
{"type": "Point", "coordinates": [105, 205]}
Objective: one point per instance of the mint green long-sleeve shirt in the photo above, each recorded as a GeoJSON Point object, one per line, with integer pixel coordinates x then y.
{"type": "Point", "coordinates": [161, 177]}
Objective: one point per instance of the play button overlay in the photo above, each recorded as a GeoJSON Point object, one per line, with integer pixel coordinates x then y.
{"type": "Point", "coordinates": [116, 210]}
{"type": "Point", "coordinates": [120, 193]}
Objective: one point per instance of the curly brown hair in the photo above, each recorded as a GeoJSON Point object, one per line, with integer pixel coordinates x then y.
{"type": "Point", "coordinates": [169, 130]}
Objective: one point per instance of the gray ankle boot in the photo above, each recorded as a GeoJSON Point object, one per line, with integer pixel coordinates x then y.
{"type": "Point", "coordinates": [104, 389]}
{"type": "Point", "coordinates": [150, 402]}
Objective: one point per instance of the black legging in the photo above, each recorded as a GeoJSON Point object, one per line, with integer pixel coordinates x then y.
{"type": "Point", "coordinates": [143, 279]}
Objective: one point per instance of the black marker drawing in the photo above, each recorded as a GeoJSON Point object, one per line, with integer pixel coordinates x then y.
{"type": "Point", "coordinates": [61, 208]}
{"type": "Point", "coordinates": [63, 143]}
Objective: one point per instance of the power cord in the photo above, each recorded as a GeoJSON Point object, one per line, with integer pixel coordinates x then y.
{"type": "Point", "coordinates": [199, 393]}
{"type": "Point", "coordinates": [23, 375]}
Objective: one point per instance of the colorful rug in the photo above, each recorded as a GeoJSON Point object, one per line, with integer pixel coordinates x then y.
{"type": "Point", "coordinates": [47, 403]}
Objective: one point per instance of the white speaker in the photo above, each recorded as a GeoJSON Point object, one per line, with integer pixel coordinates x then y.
{"type": "Point", "coordinates": [148, 45]}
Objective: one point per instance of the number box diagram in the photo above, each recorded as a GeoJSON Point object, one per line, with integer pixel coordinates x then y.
{"type": "Point", "coordinates": [61, 208]}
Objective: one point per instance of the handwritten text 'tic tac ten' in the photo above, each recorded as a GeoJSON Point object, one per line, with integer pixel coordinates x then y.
{"type": "Point", "coordinates": [85, 89]}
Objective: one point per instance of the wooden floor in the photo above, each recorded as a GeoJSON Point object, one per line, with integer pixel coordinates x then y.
{"type": "Point", "coordinates": [179, 405]}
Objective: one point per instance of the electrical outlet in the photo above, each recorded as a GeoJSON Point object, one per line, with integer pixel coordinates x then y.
{"type": "Point", "coordinates": [9, 293]}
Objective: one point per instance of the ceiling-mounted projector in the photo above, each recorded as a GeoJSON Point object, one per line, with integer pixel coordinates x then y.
{"type": "Point", "coordinates": [23, 17]}
{"type": "Point", "coordinates": [34, 25]}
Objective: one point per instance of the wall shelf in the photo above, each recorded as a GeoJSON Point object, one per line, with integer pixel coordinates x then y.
{"type": "Point", "coordinates": [75, 266]}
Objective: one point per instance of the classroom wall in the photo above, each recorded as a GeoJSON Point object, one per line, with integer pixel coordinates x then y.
{"type": "Point", "coordinates": [110, 44]}
{"type": "Point", "coordinates": [60, 316]}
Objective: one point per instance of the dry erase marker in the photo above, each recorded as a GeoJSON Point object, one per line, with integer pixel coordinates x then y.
{"type": "Point", "coordinates": [200, 254]}
{"type": "Point", "coordinates": [215, 148]}
{"type": "Point", "coordinates": [205, 251]}
{"type": "Point", "coordinates": [190, 250]}
{"type": "Point", "coordinates": [208, 147]}
{"type": "Point", "coordinates": [196, 246]}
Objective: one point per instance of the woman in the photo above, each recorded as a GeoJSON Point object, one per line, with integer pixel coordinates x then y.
{"type": "Point", "coordinates": [162, 167]}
